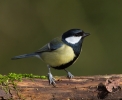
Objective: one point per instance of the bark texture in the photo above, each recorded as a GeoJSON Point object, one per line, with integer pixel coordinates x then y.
{"type": "Point", "coordinates": [107, 87]}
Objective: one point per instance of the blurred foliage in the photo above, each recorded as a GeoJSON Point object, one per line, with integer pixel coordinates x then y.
{"type": "Point", "coordinates": [26, 25]}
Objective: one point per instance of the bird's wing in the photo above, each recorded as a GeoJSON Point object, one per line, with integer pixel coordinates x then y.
{"type": "Point", "coordinates": [52, 45]}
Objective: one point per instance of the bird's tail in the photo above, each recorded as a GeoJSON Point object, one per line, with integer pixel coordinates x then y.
{"type": "Point", "coordinates": [24, 56]}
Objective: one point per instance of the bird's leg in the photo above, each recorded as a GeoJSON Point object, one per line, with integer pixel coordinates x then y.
{"type": "Point", "coordinates": [50, 77]}
{"type": "Point", "coordinates": [69, 75]}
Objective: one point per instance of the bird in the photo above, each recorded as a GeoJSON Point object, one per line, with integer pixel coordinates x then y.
{"type": "Point", "coordinates": [61, 52]}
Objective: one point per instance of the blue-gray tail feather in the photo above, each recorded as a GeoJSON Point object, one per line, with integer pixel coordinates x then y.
{"type": "Point", "coordinates": [24, 56]}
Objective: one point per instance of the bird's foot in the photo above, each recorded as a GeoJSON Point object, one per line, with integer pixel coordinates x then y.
{"type": "Point", "coordinates": [69, 75]}
{"type": "Point", "coordinates": [51, 79]}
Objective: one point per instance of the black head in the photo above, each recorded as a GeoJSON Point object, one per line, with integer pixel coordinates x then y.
{"type": "Point", "coordinates": [74, 36]}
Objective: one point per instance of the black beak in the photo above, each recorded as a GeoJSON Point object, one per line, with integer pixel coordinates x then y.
{"type": "Point", "coordinates": [86, 34]}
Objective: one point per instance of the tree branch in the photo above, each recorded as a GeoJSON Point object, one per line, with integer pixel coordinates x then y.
{"type": "Point", "coordinates": [82, 87]}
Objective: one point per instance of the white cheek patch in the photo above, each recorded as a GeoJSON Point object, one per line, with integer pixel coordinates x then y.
{"type": "Point", "coordinates": [73, 39]}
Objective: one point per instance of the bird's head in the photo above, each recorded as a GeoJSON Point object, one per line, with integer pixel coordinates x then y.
{"type": "Point", "coordinates": [74, 36]}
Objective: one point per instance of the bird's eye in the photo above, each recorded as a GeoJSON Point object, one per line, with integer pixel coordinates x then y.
{"type": "Point", "coordinates": [79, 34]}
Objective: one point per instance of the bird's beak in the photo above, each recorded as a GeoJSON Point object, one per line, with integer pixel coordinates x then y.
{"type": "Point", "coordinates": [86, 34]}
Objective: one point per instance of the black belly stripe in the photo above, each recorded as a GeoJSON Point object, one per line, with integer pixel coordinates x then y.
{"type": "Point", "coordinates": [65, 65]}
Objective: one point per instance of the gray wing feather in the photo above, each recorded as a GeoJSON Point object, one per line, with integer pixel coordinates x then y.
{"type": "Point", "coordinates": [52, 45]}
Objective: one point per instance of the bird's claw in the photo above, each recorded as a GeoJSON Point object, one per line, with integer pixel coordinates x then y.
{"type": "Point", "coordinates": [51, 79]}
{"type": "Point", "coordinates": [70, 76]}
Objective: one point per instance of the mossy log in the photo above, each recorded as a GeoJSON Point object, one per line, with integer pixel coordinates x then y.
{"type": "Point", "coordinates": [78, 88]}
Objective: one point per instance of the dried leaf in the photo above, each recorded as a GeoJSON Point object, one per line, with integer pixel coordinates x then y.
{"type": "Point", "coordinates": [112, 85]}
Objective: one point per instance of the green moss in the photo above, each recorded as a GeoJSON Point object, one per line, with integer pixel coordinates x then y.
{"type": "Point", "coordinates": [12, 78]}
{"type": "Point", "coordinates": [5, 79]}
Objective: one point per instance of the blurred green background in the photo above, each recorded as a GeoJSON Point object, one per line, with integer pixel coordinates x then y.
{"type": "Point", "coordinates": [27, 25]}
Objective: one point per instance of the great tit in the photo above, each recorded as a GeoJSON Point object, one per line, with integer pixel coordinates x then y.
{"type": "Point", "coordinates": [61, 52]}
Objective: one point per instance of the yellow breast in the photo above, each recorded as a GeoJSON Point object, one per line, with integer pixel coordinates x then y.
{"type": "Point", "coordinates": [58, 57]}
